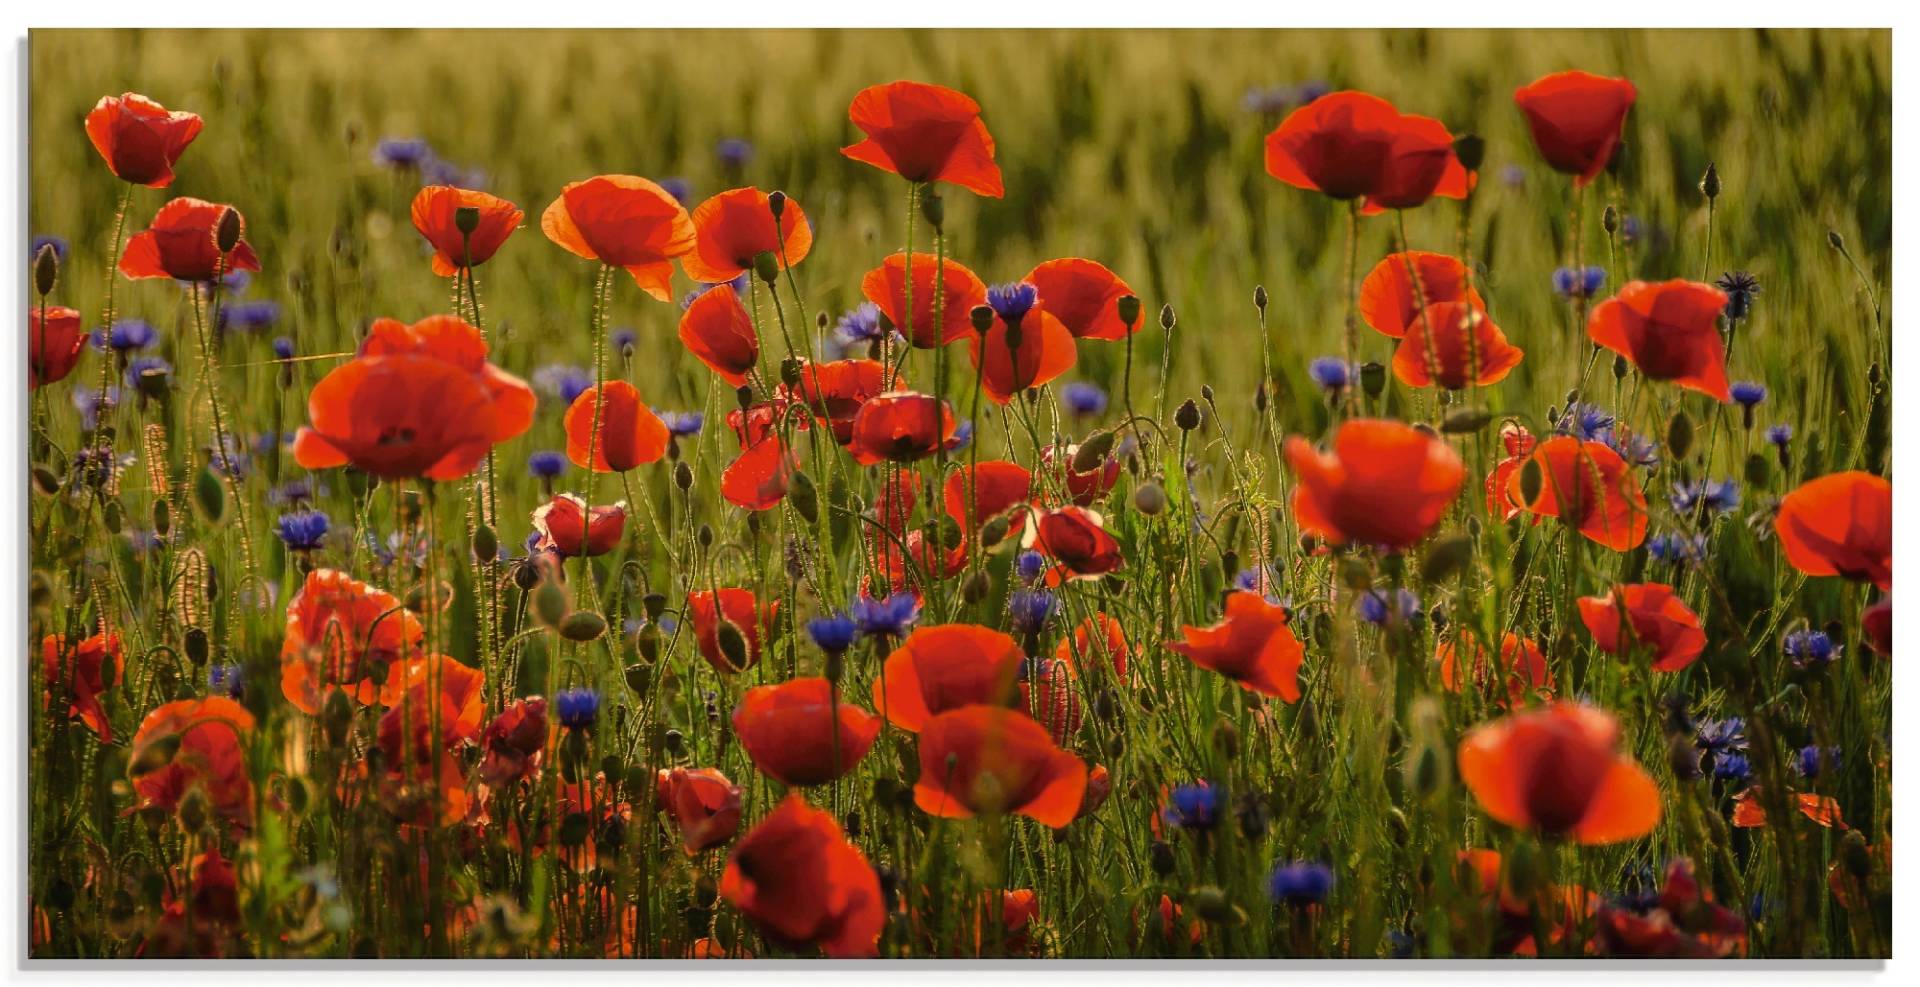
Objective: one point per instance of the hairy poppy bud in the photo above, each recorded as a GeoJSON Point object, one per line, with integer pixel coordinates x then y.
{"type": "Point", "coordinates": [776, 202]}
{"type": "Point", "coordinates": [1373, 378]}
{"type": "Point", "coordinates": [336, 717]}
{"type": "Point", "coordinates": [1834, 241]}
{"type": "Point", "coordinates": [226, 236]}
{"type": "Point", "coordinates": [1710, 183]}
{"type": "Point", "coordinates": [733, 644]}
{"type": "Point", "coordinates": [1679, 435]}
{"type": "Point", "coordinates": [933, 208]}
{"type": "Point", "coordinates": [994, 531]}
{"type": "Point", "coordinates": [583, 625]}
{"type": "Point", "coordinates": [1620, 367]}
{"type": "Point", "coordinates": [486, 544]}
{"type": "Point", "coordinates": [1128, 308]}
{"type": "Point", "coordinates": [550, 604]}
{"type": "Point", "coordinates": [1466, 420]}
{"type": "Point", "coordinates": [639, 676]}
{"type": "Point", "coordinates": [743, 396]}
{"type": "Point", "coordinates": [1187, 416]}
{"type": "Point", "coordinates": [1149, 498]}
{"type": "Point", "coordinates": [466, 219]}
{"type": "Point", "coordinates": [1758, 471]}
{"type": "Point", "coordinates": [192, 812]}
{"type": "Point", "coordinates": [1260, 297]}
{"type": "Point", "coordinates": [198, 648]}
{"type": "Point", "coordinates": [1447, 557]}
{"type": "Point", "coordinates": [682, 476]}
{"type": "Point", "coordinates": [704, 535]}
{"type": "Point", "coordinates": [1610, 221]}
{"type": "Point", "coordinates": [1167, 319]}
{"type": "Point", "coordinates": [209, 496]}
{"type": "Point", "coordinates": [1471, 149]}
{"type": "Point", "coordinates": [982, 316]}
{"type": "Point", "coordinates": [1092, 453]}
{"type": "Point", "coordinates": [790, 369]}
{"type": "Point", "coordinates": [1532, 478]}
{"type": "Point", "coordinates": [46, 270]}
{"type": "Point", "coordinates": [1260, 397]}
{"type": "Point", "coordinates": [1160, 858]}
{"type": "Point", "coordinates": [766, 265]}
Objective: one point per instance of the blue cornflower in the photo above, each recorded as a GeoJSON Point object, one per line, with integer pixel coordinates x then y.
{"type": "Point", "coordinates": [1729, 766]}
{"type": "Point", "coordinates": [1810, 761]}
{"type": "Point", "coordinates": [563, 381]}
{"type": "Point", "coordinates": [91, 401]}
{"type": "Point", "coordinates": [624, 338]}
{"type": "Point", "coordinates": [283, 347]}
{"type": "Point", "coordinates": [1676, 547]}
{"type": "Point", "coordinates": [1300, 882]}
{"type": "Point", "coordinates": [1195, 806]}
{"type": "Point", "coordinates": [125, 336]}
{"type": "Point", "coordinates": [232, 459]}
{"type": "Point", "coordinates": [1740, 288]}
{"type": "Point", "coordinates": [59, 245]}
{"type": "Point", "coordinates": [1375, 608]}
{"type": "Point", "coordinates": [1807, 647]}
{"type": "Point", "coordinates": [739, 285]}
{"type": "Point", "coordinates": [1586, 422]}
{"type": "Point", "coordinates": [1267, 99]}
{"type": "Point", "coordinates": [1083, 398]}
{"type": "Point", "coordinates": [1029, 609]}
{"type": "Point", "coordinates": [1579, 282]}
{"type": "Point", "coordinates": [1729, 734]}
{"type": "Point", "coordinates": [1331, 373]}
{"type": "Point", "coordinates": [1632, 229]}
{"type": "Point", "coordinates": [293, 492]}
{"type": "Point", "coordinates": [439, 171]}
{"type": "Point", "coordinates": [1636, 449]}
{"type": "Point", "coordinates": [1012, 301]}
{"type": "Point", "coordinates": [303, 530]}
{"type": "Point", "coordinates": [577, 708]}
{"type": "Point", "coordinates": [889, 617]}
{"type": "Point", "coordinates": [1513, 176]}
{"type": "Point", "coordinates": [249, 316]}
{"type": "Point", "coordinates": [734, 151]}
{"type": "Point", "coordinates": [833, 634]}
{"type": "Point", "coordinates": [682, 423]}
{"type": "Point", "coordinates": [142, 540]}
{"type": "Point", "coordinates": [140, 366]}
{"type": "Point", "coordinates": [1780, 435]}
{"type": "Point", "coordinates": [1029, 565]}
{"type": "Point", "coordinates": [236, 281]}
{"type": "Point", "coordinates": [226, 680]}
{"type": "Point", "coordinates": [396, 152]}
{"type": "Point", "coordinates": [860, 324]}
{"type": "Point", "coordinates": [962, 436]}
{"type": "Point", "coordinates": [1712, 496]}
{"type": "Point", "coordinates": [1748, 393]}
{"type": "Point", "coordinates": [1311, 90]}
{"type": "Point", "coordinates": [546, 464]}
{"type": "Point", "coordinates": [679, 188]}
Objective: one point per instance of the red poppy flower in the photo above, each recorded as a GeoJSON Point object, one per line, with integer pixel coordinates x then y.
{"type": "Point", "coordinates": [1353, 144]}
{"type": "Point", "coordinates": [1877, 623]}
{"type": "Point", "coordinates": [1589, 486]}
{"type": "Point", "coordinates": [1522, 664]}
{"type": "Point", "coordinates": [717, 329]}
{"type": "Point", "coordinates": [81, 671]}
{"type": "Point", "coordinates": [338, 629]}
{"type": "Point", "coordinates": [1018, 909]}
{"type": "Point", "coordinates": [736, 226]}
{"type": "Point", "coordinates": [759, 477]}
{"type": "Point", "coordinates": [1084, 296]}
{"type": "Point", "coordinates": [1840, 525]}
{"type": "Point", "coordinates": [1519, 444]}
{"type": "Point", "coordinates": [1669, 330]}
{"type": "Point", "coordinates": [1558, 769]}
{"type": "Point", "coordinates": [1074, 537]}
{"type": "Point", "coordinates": [1576, 120]}
{"type": "Point", "coordinates": [1084, 489]}
{"type": "Point", "coordinates": [802, 883]}
{"type": "Point", "coordinates": [630, 434]}
{"type": "Point", "coordinates": [566, 526]}
{"type": "Point", "coordinates": [1822, 810]}
{"type": "Point", "coordinates": [1252, 645]}
{"type": "Point", "coordinates": [925, 133]}
{"type": "Point", "coordinates": [1099, 787]}
{"type": "Point", "coordinates": [1388, 301]}
{"type": "Point", "coordinates": [1414, 173]}
{"type": "Point", "coordinates": [1454, 344]}
{"type": "Point", "coordinates": [624, 221]}
{"type": "Point", "coordinates": [1041, 350]}
{"type": "Point", "coordinates": [512, 744]}
{"type": "Point", "coordinates": [703, 803]}
{"type": "Point", "coordinates": [900, 426]}
{"type": "Point", "coordinates": [1686, 924]}
{"type": "Point", "coordinates": [214, 899]}
{"type": "Point", "coordinates": [53, 348]}
{"type": "Point", "coordinates": [1110, 645]}
{"type": "Point", "coordinates": [460, 697]}
{"type": "Point", "coordinates": [1051, 695]}
{"type": "Point", "coordinates": [994, 487]}
{"type": "Point", "coordinates": [140, 139]}
{"type": "Point", "coordinates": [1385, 483]}
{"type": "Point", "coordinates": [800, 733]}
{"type": "Point", "coordinates": [835, 390]}
{"type": "Point", "coordinates": [419, 400]}
{"type": "Point", "coordinates": [194, 743]}
{"type": "Point", "coordinates": [945, 667]}
{"type": "Point", "coordinates": [990, 759]}
{"type": "Point", "coordinates": [1653, 618]}
{"type": "Point", "coordinates": [435, 215]}
{"type": "Point", "coordinates": [960, 291]}
{"type": "Point", "coordinates": [182, 244]}
{"type": "Point", "coordinates": [738, 607]}
{"type": "Point", "coordinates": [416, 768]}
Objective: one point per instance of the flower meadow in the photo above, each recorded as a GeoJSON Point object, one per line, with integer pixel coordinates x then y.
{"type": "Point", "coordinates": [959, 494]}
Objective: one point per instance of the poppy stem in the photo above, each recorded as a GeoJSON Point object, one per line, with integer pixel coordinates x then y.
{"type": "Point", "coordinates": [1351, 326]}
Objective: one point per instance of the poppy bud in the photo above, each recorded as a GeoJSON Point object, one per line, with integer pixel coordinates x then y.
{"type": "Point", "coordinates": [647, 642]}
{"type": "Point", "coordinates": [466, 219]}
{"type": "Point", "coordinates": [1160, 857]}
{"type": "Point", "coordinates": [977, 586]}
{"type": "Point", "coordinates": [994, 531]}
{"type": "Point", "coordinates": [226, 236]}
{"type": "Point", "coordinates": [209, 496]}
{"type": "Point", "coordinates": [197, 646]}
{"type": "Point", "coordinates": [1619, 367]}
{"type": "Point", "coordinates": [1526, 872]}
{"type": "Point", "coordinates": [1092, 454]}
{"type": "Point", "coordinates": [933, 208]}
{"type": "Point", "coordinates": [114, 515]}
{"type": "Point", "coordinates": [1610, 221]}
{"type": "Point", "coordinates": [1149, 498]}
{"type": "Point", "coordinates": [1206, 394]}
{"type": "Point", "coordinates": [1466, 420]}
{"type": "Point", "coordinates": [486, 544]}
{"type": "Point", "coordinates": [639, 677]}
{"type": "Point", "coordinates": [1260, 397]}
{"type": "Point", "coordinates": [1260, 297]}
{"type": "Point", "coordinates": [1447, 557]}
{"type": "Point", "coordinates": [1428, 772]}
{"type": "Point", "coordinates": [46, 270]}
{"type": "Point", "coordinates": [1373, 378]}
{"type": "Point", "coordinates": [704, 536]}
{"type": "Point", "coordinates": [1128, 308]}
{"type": "Point", "coordinates": [1167, 319]}
{"type": "Point", "coordinates": [1532, 477]}
{"type": "Point", "coordinates": [550, 603]}
{"type": "Point", "coordinates": [1679, 435]}
{"type": "Point", "coordinates": [1873, 372]}
{"type": "Point", "coordinates": [1710, 183]}
{"type": "Point", "coordinates": [336, 718]}
{"type": "Point", "coordinates": [982, 316]}
{"type": "Point", "coordinates": [804, 497]}
{"type": "Point", "coordinates": [733, 644]}
{"type": "Point", "coordinates": [1211, 904]}
{"type": "Point", "coordinates": [682, 476]}
{"type": "Point", "coordinates": [766, 265]}
{"type": "Point", "coordinates": [743, 396]}
{"type": "Point", "coordinates": [1834, 241]}
{"type": "Point", "coordinates": [1187, 416]}
{"type": "Point", "coordinates": [583, 625]}
{"type": "Point", "coordinates": [48, 483]}
{"type": "Point", "coordinates": [192, 812]}
{"type": "Point", "coordinates": [776, 202]}
{"type": "Point", "coordinates": [1471, 149]}
{"type": "Point", "coordinates": [1758, 471]}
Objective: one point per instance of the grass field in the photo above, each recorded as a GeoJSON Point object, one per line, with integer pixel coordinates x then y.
{"type": "Point", "coordinates": [1332, 823]}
